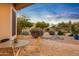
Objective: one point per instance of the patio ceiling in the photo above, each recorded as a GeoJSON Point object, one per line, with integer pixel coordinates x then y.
{"type": "Point", "coordinates": [19, 6]}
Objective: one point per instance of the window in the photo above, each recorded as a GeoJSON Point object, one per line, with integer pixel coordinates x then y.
{"type": "Point", "coordinates": [13, 23]}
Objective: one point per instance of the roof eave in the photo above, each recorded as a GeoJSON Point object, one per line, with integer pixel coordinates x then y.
{"type": "Point", "coordinates": [19, 6]}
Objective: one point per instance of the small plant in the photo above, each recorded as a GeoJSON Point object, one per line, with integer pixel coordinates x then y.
{"type": "Point", "coordinates": [60, 33]}
{"type": "Point", "coordinates": [36, 32]}
{"type": "Point", "coordinates": [51, 32]}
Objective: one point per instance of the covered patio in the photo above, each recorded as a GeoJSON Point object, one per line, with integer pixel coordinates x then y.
{"type": "Point", "coordinates": [8, 31]}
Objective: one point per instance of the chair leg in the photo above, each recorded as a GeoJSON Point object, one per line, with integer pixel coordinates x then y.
{"type": "Point", "coordinates": [18, 52]}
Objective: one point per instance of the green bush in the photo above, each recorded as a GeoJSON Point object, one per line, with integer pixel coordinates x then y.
{"type": "Point", "coordinates": [60, 33]}
{"type": "Point", "coordinates": [36, 32]}
{"type": "Point", "coordinates": [42, 25]}
{"type": "Point", "coordinates": [23, 22]}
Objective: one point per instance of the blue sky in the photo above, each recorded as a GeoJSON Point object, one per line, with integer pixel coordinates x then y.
{"type": "Point", "coordinates": [52, 12]}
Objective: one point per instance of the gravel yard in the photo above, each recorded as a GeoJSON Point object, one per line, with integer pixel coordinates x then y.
{"type": "Point", "coordinates": [49, 47]}
{"type": "Point", "coordinates": [66, 47]}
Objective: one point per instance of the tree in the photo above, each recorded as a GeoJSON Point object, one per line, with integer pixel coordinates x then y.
{"type": "Point", "coordinates": [42, 25]}
{"type": "Point", "coordinates": [75, 28]}
{"type": "Point", "coordinates": [53, 26]}
{"type": "Point", "coordinates": [23, 22]}
{"type": "Point", "coordinates": [63, 26]}
{"type": "Point", "coordinates": [70, 25]}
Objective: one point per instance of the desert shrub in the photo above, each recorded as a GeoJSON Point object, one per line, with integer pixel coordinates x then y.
{"type": "Point", "coordinates": [51, 32]}
{"type": "Point", "coordinates": [47, 29]}
{"type": "Point", "coordinates": [60, 33]}
{"type": "Point", "coordinates": [42, 25]}
{"type": "Point", "coordinates": [25, 33]}
{"type": "Point", "coordinates": [75, 29]}
{"type": "Point", "coordinates": [36, 32]}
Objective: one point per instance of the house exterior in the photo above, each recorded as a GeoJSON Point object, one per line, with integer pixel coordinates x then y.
{"type": "Point", "coordinates": [8, 22]}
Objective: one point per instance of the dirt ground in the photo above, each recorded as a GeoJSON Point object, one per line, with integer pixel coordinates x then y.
{"type": "Point", "coordinates": [51, 47]}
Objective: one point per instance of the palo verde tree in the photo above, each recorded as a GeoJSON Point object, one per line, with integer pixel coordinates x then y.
{"type": "Point", "coordinates": [75, 28]}
{"type": "Point", "coordinates": [23, 22]}
{"type": "Point", "coordinates": [64, 26]}
{"type": "Point", "coordinates": [41, 25]}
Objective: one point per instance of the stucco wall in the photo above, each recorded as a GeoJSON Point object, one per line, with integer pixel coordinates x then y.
{"type": "Point", "coordinates": [5, 19]}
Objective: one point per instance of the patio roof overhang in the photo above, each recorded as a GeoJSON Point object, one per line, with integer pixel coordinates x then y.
{"type": "Point", "coordinates": [19, 6]}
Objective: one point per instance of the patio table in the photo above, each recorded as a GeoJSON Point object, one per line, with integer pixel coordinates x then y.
{"type": "Point", "coordinates": [14, 47]}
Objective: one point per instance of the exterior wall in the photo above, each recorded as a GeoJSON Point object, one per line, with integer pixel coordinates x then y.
{"type": "Point", "coordinates": [6, 20]}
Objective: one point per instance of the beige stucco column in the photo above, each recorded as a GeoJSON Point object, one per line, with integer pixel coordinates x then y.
{"type": "Point", "coordinates": [6, 21]}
